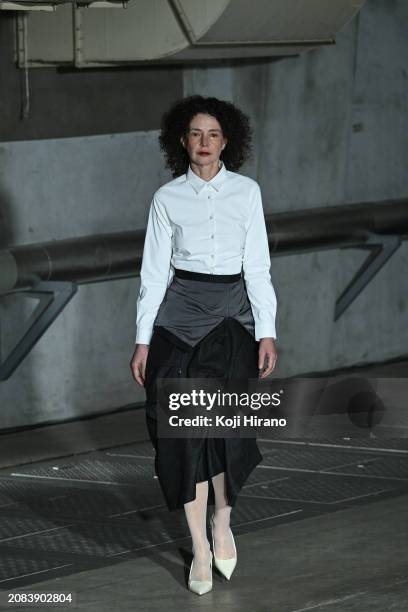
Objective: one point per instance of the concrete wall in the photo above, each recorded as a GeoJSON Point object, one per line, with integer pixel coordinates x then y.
{"type": "Point", "coordinates": [330, 127]}
{"type": "Point", "coordinates": [68, 188]}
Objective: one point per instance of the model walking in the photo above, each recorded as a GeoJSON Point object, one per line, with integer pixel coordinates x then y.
{"type": "Point", "coordinates": [206, 308]}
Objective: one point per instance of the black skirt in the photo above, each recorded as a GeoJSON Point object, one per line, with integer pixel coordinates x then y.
{"type": "Point", "coordinates": [227, 351]}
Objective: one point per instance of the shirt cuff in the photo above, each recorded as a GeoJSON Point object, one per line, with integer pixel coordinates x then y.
{"type": "Point", "coordinates": [265, 331]}
{"type": "Point", "coordinates": [143, 337]}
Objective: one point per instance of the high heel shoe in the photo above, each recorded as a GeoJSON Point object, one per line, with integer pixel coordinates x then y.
{"type": "Point", "coordinates": [225, 566]}
{"type": "Point", "coordinates": [200, 586]}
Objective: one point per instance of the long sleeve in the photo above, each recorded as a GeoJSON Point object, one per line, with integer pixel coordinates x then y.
{"type": "Point", "coordinates": [256, 268]}
{"type": "Point", "coordinates": [155, 270]}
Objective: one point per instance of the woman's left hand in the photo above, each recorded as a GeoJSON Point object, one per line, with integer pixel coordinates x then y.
{"type": "Point", "coordinates": [267, 350]}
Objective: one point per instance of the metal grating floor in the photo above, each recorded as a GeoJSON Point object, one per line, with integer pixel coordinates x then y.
{"type": "Point", "coordinates": [63, 516]}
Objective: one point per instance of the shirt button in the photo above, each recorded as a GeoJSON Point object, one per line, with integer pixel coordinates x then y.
{"type": "Point", "coordinates": [211, 216]}
{"type": "Point", "coordinates": [212, 256]}
{"type": "Point", "coordinates": [212, 235]}
{"type": "Point", "coordinates": [209, 197]}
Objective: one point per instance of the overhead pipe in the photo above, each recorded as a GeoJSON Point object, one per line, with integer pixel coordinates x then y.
{"type": "Point", "coordinates": [52, 271]}
{"type": "Point", "coordinates": [101, 257]}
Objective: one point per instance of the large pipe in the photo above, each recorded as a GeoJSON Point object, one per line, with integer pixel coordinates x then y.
{"type": "Point", "coordinates": [331, 227]}
{"type": "Point", "coordinates": [118, 255]}
{"type": "Point", "coordinates": [86, 259]}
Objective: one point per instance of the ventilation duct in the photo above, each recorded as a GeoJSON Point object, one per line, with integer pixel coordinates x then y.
{"type": "Point", "coordinates": [51, 5]}
{"type": "Point", "coordinates": [174, 31]}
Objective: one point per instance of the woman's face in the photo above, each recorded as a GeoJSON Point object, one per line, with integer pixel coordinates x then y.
{"type": "Point", "coordinates": [205, 140]}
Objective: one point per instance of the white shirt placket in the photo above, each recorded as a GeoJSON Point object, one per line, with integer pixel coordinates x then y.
{"type": "Point", "coordinates": [210, 207]}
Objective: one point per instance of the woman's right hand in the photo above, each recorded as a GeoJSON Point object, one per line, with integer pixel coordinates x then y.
{"type": "Point", "coordinates": [138, 363]}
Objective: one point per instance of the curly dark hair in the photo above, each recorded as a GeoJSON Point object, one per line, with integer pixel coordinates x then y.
{"type": "Point", "coordinates": [176, 121]}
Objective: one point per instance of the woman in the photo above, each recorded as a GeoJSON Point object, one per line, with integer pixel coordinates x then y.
{"type": "Point", "coordinates": [197, 316]}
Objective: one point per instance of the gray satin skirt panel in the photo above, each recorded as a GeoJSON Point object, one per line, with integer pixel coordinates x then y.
{"type": "Point", "coordinates": [192, 308]}
{"type": "Point", "coordinates": [223, 348]}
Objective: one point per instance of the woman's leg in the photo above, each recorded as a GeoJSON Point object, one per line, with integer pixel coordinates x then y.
{"type": "Point", "coordinates": [196, 514]}
{"type": "Point", "coordinates": [222, 513]}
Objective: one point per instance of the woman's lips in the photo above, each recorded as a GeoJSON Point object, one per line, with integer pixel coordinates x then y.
{"type": "Point", "coordinates": [204, 153]}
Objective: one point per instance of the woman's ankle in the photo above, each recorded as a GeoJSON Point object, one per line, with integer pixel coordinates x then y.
{"type": "Point", "coordinates": [202, 549]}
{"type": "Point", "coordinates": [221, 519]}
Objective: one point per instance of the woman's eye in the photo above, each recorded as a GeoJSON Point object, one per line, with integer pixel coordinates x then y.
{"type": "Point", "coordinates": [197, 134]}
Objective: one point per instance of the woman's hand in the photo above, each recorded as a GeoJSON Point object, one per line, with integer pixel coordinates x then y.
{"type": "Point", "coordinates": [138, 363]}
{"type": "Point", "coordinates": [267, 350]}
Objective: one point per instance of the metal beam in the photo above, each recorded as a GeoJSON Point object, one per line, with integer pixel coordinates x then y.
{"type": "Point", "coordinates": [53, 297]}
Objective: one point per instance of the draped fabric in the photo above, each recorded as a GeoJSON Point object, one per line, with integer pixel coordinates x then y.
{"type": "Point", "coordinates": [227, 351]}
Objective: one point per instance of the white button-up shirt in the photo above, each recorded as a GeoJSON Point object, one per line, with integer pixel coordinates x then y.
{"type": "Point", "coordinates": [212, 227]}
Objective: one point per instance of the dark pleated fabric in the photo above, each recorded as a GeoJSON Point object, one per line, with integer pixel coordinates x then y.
{"type": "Point", "coordinates": [227, 351]}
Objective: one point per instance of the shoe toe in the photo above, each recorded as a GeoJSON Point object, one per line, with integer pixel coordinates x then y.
{"type": "Point", "coordinates": [226, 566]}
{"type": "Point", "coordinates": [200, 586]}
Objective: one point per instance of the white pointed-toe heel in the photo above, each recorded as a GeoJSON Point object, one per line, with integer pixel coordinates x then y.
{"type": "Point", "coordinates": [200, 587]}
{"type": "Point", "coordinates": [225, 566]}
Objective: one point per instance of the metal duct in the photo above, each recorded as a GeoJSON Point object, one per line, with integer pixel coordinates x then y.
{"type": "Point", "coordinates": [169, 31]}
{"type": "Point", "coordinates": [51, 5]}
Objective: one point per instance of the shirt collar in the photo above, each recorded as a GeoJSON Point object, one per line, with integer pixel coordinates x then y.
{"type": "Point", "coordinates": [198, 183]}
